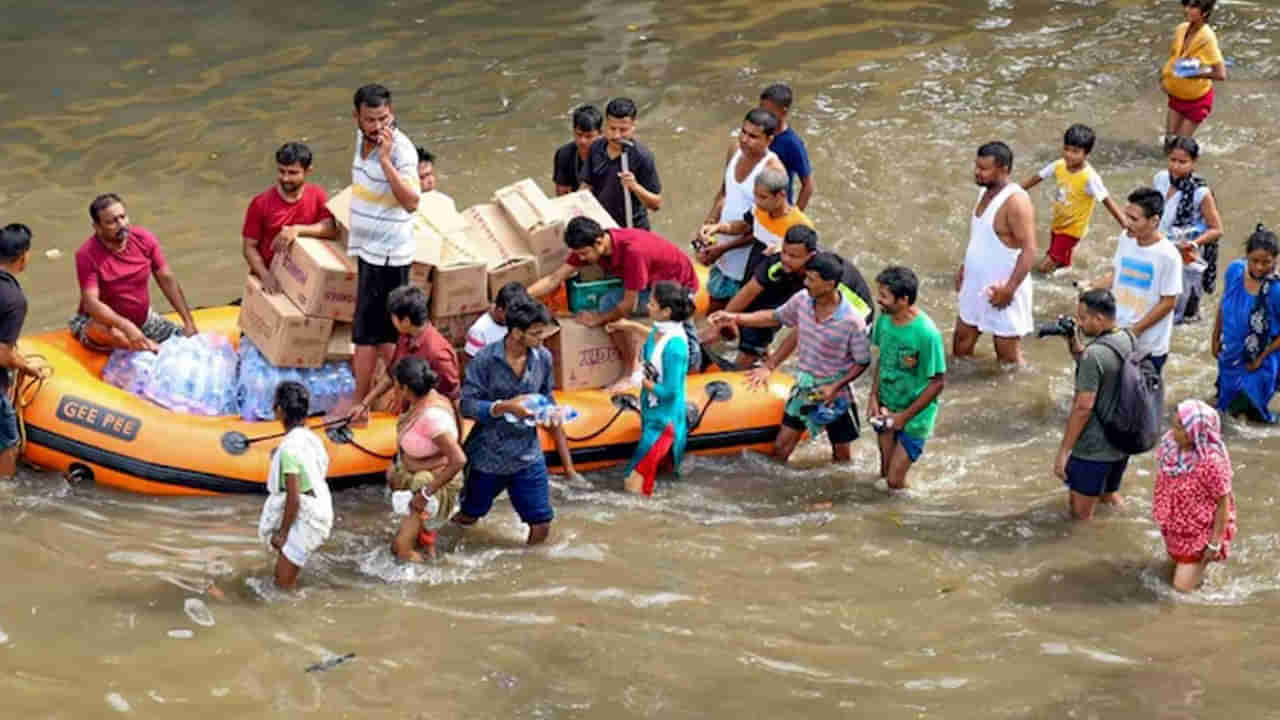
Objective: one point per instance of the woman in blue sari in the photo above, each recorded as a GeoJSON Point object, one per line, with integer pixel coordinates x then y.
{"type": "Point", "coordinates": [664, 428]}
{"type": "Point", "coordinates": [1246, 334]}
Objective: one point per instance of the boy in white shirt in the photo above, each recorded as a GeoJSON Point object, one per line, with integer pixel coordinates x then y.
{"type": "Point", "coordinates": [1146, 276]}
{"type": "Point", "coordinates": [492, 326]}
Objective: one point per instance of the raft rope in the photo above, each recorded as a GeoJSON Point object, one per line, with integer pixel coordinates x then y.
{"type": "Point", "coordinates": [598, 433]}
{"type": "Point", "coordinates": [24, 390]}
{"type": "Point", "coordinates": [322, 426]}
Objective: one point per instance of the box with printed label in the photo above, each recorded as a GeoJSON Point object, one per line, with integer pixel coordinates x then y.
{"type": "Point", "coordinates": [318, 277]}
{"type": "Point", "coordinates": [584, 358]}
{"type": "Point", "coordinates": [286, 336]}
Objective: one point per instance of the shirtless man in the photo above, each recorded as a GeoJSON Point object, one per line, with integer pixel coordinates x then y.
{"type": "Point", "coordinates": [729, 253]}
{"type": "Point", "coordinates": [995, 291]}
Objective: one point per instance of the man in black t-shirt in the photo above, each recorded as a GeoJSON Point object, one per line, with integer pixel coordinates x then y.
{"type": "Point", "coordinates": [15, 244]}
{"type": "Point", "coordinates": [571, 158]}
{"type": "Point", "coordinates": [774, 279]}
{"type": "Point", "coordinates": [603, 170]}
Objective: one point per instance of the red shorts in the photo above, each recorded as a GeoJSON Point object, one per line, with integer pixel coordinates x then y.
{"type": "Point", "coordinates": [1060, 247]}
{"type": "Point", "coordinates": [1185, 559]}
{"type": "Point", "coordinates": [1194, 110]}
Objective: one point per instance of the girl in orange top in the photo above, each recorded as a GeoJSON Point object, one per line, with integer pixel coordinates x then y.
{"type": "Point", "coordinates": [1194, 63]}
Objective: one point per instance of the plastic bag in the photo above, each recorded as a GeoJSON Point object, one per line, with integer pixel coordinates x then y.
{"type": "Point", "coordinates": [194, 375]}
{"type": "Point", "coordinates": [129, 370]}
{"type": "Point", "coordinates": [255, 388]}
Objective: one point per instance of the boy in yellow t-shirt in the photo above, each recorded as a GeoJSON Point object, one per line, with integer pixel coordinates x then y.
{"type": "Point", "coordinates": [1079, 188]}
{"type": "Point", "coordinates": [1195, 61]}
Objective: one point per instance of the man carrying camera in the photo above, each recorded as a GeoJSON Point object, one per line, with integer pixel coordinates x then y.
{"type": "Point", "coordinates": [1087, 462]}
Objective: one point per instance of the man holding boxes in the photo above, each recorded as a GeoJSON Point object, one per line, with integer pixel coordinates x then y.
{"type": "Point", "coordinates": [280, 214]}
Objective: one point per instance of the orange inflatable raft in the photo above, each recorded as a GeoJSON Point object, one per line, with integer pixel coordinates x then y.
{"type": "Point", "coordinates": [76, 423]}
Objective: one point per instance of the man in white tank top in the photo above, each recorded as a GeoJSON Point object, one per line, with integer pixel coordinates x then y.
{"type": "Point", "coordinates": [729, 255]}
{"type": "Point", "coordinates": [995, 290]}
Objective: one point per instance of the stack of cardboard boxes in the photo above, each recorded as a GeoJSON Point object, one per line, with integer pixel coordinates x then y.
{"type": "Point", "coordinates": [461, 260]}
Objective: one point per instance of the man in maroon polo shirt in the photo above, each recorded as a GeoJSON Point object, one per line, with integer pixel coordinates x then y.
{"type": "Point", "coordinates": [283, 212]}
{"type": "Point", "coordinates": [418, 337]}
{"type": "Point", "coordinates": [642, 259]}
{"type": "Point", "coordinates": [114, 267]}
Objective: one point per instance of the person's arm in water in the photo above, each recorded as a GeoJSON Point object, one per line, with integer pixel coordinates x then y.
{"type": "Point", "coordinates": [1021, 218]}
{"type": "Point", "coordinates": [292, 501]}
{"type": "Point", "coordinates": [548, 284]}
{"type": "Point", "coordinates": [1081, 409]}
{"type": "Point", "coordinates": [173, 291]}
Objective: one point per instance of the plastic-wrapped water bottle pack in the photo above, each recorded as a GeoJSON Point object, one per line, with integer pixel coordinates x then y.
{"type": "Point", "coordinates": [129, 370]}
{"type": "Point", "coordinates": [194, 375]}
{"type": "Point", "coordinates": [256, 384]}
{"type": "Point", "coordinates": [545, 412]}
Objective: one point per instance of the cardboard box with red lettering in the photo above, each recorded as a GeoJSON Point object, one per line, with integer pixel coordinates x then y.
{"type": "Point", "coordinates": [340, 346]}
{"type": "Point", "coordinates": [318, 277]}
{"type": "Point", "coordinates": [284, 334]}
{"type": "Point", "coordinates": [584, 358]}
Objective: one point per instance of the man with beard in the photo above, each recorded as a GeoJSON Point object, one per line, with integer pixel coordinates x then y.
{"type": "Point", "coordinates": [995, 292]}
{"type": "Point", "coordinates": [385, 190]}
{"type": "Point", "coordinates": [114, 267]}
{"type": "Point", "coordinates": [282, 213]}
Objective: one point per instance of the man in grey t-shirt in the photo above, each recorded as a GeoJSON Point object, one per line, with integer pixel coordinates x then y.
{"type": "Point", "coordinates": [1091, 466]}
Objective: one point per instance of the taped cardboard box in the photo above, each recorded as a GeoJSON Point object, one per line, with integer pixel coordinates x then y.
{"type": "Point", "coordinates": [340, 207]}
{"type": "Point", "coordinates": [582, 202]}
{"type": "Point", "coordinates": [540, 222]}
{"type": "Point", "coordinates": [285, 335]}
{"type": "Point", "coordinates": [547, 242]}
{"type": "Point", "coordinates": [340, 345]}
{"type": "Point", "coordinates": [459, 284]}
{"type": "Point", "coordinates": [454, 327]}
{"type": "Point", "coordinates": [491, 237]}
{"type": "Point", "coordinates": [318, 277]}
{"type": "Point", "coordinates": [584, 358]}
{"type": "Point", "coordinates": [523, 270]}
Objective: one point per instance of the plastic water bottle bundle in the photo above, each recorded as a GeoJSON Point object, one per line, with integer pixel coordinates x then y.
{"type": "Point", "coordinates": [545, 412]}
{"type": "Point", "coordinates": [194, 375]}
{"type": "Point", "coordinates": [255, 386]}
{"type": "Point", "coordinates": [129, 370]}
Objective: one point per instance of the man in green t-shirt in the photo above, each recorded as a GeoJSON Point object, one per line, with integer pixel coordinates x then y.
{"type": "Point", "coordinates": [907, 377]}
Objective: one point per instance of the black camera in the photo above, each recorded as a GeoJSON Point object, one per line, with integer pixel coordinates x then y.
{"type": "Point", "coordinates": [1064, 326]}
{"type": "Point", "coordinates": [650, 371]}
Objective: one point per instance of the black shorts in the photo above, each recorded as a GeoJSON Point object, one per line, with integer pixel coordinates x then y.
{"type": "Point", "coordinates": [843, 429]}
{"type": "Point", "coordinates": [372, 322]}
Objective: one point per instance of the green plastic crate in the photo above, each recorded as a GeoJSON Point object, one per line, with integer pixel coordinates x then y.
{"type": "Point", "coordinates": [586, 295]}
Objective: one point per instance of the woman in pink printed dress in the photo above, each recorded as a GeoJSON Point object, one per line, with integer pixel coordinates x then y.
{"type": "Point", "coordinates": [1193, 501]}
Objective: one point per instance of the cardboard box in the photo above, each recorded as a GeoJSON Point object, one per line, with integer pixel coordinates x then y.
{"type": "Point", "coordinates": [318, 277]}
{"type": "Point", "coordinates": [584, 358]}
{"type": "Point", "coordinates": [440, 212]}
{"type": "Point", "coordinates": [285, 335]}
{"type": "Point", "coordinates": [526, 205]}
{"type": "Point", "coordinates": [340, 345]}
{"type": "Point", "coordinates": [491, 237]}
{"type": "Point", "coordinates": [459, 288]}
{"type": "Point", "coordinates": [523, 270]}
{"type": "Point", "coordinates": [340, 207]}
{"type": "Point", "coordinates": [454, 327]}
{"type": "Point", "coordinates": [582, 202]}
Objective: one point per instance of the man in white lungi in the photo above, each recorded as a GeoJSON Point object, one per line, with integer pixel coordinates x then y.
{"type": "Point", "coordinates": [995, 290]}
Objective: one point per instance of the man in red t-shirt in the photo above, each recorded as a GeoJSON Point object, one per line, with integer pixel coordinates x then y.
{"type": "Point", "coordinates": [408, 307]}
{"type": "Point", "coordinates": [642, 259]}
{"type": "Point", "coordinates": [280, 214]}
{"type": "Point", "coordinates": [114, 267]}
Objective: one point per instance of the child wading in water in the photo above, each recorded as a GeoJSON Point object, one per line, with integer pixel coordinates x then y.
{"type": "Point", "coordinates": [666, 361]}
{"type": "Point", "coordinates": [1195, 61]}
{"type": "Point", "coordinates": [1079, 189]}
{"type": "Point", "coordinates": [1193, 502]}
{"type": "Point", "coordinates": [298, 514]}
{"type": "Point", "coordinates": [1191, 222]}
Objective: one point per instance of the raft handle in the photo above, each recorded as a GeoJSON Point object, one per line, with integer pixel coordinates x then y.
{"type": "Point", "coordinates": [717, 391]}
{"type": "Point", "coordinates": [235, 442]}
{"type": "Point", "coordinates": [622, 401]}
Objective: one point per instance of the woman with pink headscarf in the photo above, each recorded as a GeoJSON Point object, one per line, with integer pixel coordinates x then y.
{"type": "Point", "coordinates": [1193, 502]}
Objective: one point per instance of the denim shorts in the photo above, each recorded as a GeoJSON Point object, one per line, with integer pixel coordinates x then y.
{"type": "Point", "coordinates": [529, 490]}
{"type": "Point", "coordinates": [610, 300]}
{"type": "Point", "coordinates": [720, 287]}
{"type": "Point", "coordinates": [8, 423]}
{"type": "Point", "coordinates": [1092, 478]}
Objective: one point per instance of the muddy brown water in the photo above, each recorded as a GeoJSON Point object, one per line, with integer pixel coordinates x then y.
{"type": "Point", "coordinates": [749, 590]}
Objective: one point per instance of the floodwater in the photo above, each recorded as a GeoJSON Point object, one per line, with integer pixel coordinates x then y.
{"type": "Point", "coordinates": [749, 590]}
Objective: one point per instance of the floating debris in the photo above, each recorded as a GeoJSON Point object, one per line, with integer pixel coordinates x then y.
{"type": "Point", "coordinates": [198, 612]}
{"type": "Point", "coordinates": [330, 663]}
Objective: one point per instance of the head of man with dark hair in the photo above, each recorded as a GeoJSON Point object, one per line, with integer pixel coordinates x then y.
{"type": "Point", "coordinates": [1205, 8]}
{"type": "Point", "coordinates": [293, 162]}
{"type": "Point", "coordinates": [822, 274]}
{"type": "Point", "coordinates": [619, 122]}
{"type": "Point", "coordinates": [373, 113]}
{"type": "Point", "coordinates": [15, 245]}
{"type": "Point", "coordinates": [292, 403]}
{"type": "Point", "coordinates": [408, 306]}
{"type": "Point", "coordinates": [507, 295]}
{"type": "Point", "coordinates": [588, 123]}
{"type": "Point", "coordinates": [1143, 213]}
{"type": "Point", "coordinates": [993, 165]}
{"type": "Point", "coordinates": [777, 99]}
{"type": "Point", "coordinates": [898, 285]}
{"type": "Point", "coordinates": [527, 323]}
{"type": "Point", "coordinates": [426, 169]}
{"type": "Point", "coordinates": [799, 246]}
{"type": "Point", "coordinates": [586, 239]}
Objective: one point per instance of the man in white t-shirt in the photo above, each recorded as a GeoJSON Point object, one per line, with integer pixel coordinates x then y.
{"type": "Point", "coordinates": [1146, 276]}
{"type": "Point", "coordinates": [492, 326]}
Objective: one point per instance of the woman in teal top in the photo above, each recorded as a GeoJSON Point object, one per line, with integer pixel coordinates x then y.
{"type": "Point", "coordinates": [665, 426]}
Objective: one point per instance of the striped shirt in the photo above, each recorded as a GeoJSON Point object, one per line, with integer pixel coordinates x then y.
{"type": "Point", "coordinates": [381, 229]}
{"type": "Point", "coordinates": [830, 347]}
{"type": "Point", "coordinates": [771, 230]}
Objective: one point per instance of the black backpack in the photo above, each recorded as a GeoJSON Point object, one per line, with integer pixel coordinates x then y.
{"type": "Point", "coordinates": [1133, 423]}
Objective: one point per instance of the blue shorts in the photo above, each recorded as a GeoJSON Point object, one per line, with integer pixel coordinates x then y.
{"type": "Point", "coordinates": [720, 287]}
{"type": "Point", "coordinates": [8, 424]}
{"type": "Point", "coordinates": [1092, 478]}
{"type": "Point", "coordinates": [911, 444]}
{"type": "Point", "coordinates": [528, 489]}
{"type": "Point", "coordinates": [610, 300]}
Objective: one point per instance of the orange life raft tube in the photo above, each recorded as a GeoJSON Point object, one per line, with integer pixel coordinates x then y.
{"type": "Point", "coordinates": [75, 422]}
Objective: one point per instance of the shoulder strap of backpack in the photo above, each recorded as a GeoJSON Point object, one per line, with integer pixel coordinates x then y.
{"type": "Point", "coordinates": [1115, 400]}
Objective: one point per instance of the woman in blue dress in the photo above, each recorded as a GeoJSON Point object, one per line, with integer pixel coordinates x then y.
{"type": "Point", "coordinates": [664, 428]}
{"type": "Point", "coordinates": [1246, 334]}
